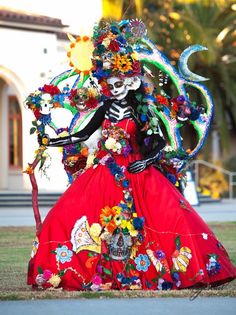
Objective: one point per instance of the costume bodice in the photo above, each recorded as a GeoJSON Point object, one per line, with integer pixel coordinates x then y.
{"type": "Point", "coordinates": [119, 137]}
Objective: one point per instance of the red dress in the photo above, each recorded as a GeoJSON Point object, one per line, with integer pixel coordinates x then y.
{"type": "Point", "coordinates": [115, 230]}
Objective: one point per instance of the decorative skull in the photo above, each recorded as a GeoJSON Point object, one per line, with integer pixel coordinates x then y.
{"type": "Point", "coordinates": [81, 98]}
{"type": "Point", "coordinates": [45, 104]}
{"type": "Point", "coordinates": [120, 246]}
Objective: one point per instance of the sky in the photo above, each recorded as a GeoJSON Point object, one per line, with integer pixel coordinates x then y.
{"type": "Point", "coordinates": [80, 15]}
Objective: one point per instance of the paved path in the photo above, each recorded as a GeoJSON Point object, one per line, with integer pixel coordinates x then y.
{"type": "Point", "coordinates": [150, 306]}
{"type": "Point", "coordinates": [219, 212]}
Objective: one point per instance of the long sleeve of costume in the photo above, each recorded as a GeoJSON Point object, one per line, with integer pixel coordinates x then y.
{"type": "Point", "coordinates": [83, 134]}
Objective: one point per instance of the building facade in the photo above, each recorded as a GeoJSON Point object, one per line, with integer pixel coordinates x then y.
{"type": "Point", "coordinates": [32, 52]}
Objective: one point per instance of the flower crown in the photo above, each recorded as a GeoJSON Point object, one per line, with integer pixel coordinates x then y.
{"type": "Point", "coordinates": [113, 53]}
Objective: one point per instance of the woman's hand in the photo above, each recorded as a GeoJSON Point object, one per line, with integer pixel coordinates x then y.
{"type": "Point", "coordinates": [43, 139]}
{"type": "Point", "coordinates": [137, 166]}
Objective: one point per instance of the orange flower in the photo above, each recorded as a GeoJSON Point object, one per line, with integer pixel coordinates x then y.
{"type": "Point", "coordinates": [84, 152]}
{"type": "Point", "coordinates": [107, 215]}
{"type": "Point", "coordinates": [29, 170]}
{"type": "Point", "coordinates": [111, 226]}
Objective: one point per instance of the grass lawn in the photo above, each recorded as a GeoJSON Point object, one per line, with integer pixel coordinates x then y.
{"type": "Point", "coordinates": [15, 249]}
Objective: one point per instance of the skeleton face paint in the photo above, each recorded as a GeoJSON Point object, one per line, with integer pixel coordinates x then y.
{"type": "Point", "coordinates": [117, 87]}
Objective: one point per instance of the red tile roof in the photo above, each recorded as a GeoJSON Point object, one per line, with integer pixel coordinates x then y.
{"type": "Point", "coordinates": [27, 18]}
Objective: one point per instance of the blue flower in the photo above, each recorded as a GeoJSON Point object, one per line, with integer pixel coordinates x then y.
{"type": "Point", "coordinates": [143, 117]}
{"type": "Point", "coordinates": [142, 262]}
{"type": "Point", "coordinates": [160, 254]}
{"type": "Point", "coordinates": [138, 223]}
{"type": "Point", "coordinates": [171, 178]}
{"type": "Point", "coordinates": [167, 285]}
{"type": "Point", "coordinates": [114, 30]}
{"type": "Point", "coordinates": [121, 39]}
{"type": "Point", "coordinates": [125, 183]}
{"type": "Point", "coordinates": [63, 254]}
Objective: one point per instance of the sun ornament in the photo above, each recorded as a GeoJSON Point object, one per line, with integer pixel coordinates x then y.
{"type": "Point", "coordinates": [80, 54]}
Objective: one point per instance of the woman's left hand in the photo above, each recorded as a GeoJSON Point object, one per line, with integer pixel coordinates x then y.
{"type": "Point", "coordinates": [137, 166]}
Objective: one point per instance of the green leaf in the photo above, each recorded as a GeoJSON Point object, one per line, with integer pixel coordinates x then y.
{"type": "Point", "coordinates": [40, 270]}
{"type": "Point", "coordinates": [90, 254]}
{"type": "Point", "coordinates": [106, 257]}
{"type": "Point", "coordinates": [32, 130]}
{"type": "Point", "coordinates": [177, 242]}
{"type": "Point", "coordinates": [139, 97]}
{"type": "Point", "coordinates": [163, 271]}
{"type": "Point", "coordinates": [61, 273]}
{"type": "Point", "coordinates": [59, 245]}
{"type": "Point", "coordinates": [107, 271]}
{"type": "Point", "coordinates": [34, 123]}
{"type": "Point", "coordinates": [53, 252]}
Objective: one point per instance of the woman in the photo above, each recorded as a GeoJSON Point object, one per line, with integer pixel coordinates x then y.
{"type": "Point", "coordinates": [122, 224]}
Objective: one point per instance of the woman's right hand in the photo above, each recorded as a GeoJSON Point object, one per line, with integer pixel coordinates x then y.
{"type": "Point", "coordinates": [43, 139]}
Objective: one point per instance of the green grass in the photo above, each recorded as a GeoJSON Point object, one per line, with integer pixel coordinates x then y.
{"type": "Point", "coordinates": [15, 250]}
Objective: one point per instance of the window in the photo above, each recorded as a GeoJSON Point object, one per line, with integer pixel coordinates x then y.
{"type": "Point", "coordinates": [15, 133]}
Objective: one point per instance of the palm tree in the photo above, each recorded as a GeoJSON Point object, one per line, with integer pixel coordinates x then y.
{"type": "Point", "coordinates": [213, 26]}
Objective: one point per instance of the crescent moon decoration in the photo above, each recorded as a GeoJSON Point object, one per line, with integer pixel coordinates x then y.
{"type": "Point", "coordinates": [149, 54]}
{"type": "Point", "coordinates": [183, 64]}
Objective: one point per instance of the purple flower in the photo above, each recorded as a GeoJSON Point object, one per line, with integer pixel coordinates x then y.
{"type": "Point", "coordinates": [160, 254]}
{"type": "Point", "coordinates": [180, 99]}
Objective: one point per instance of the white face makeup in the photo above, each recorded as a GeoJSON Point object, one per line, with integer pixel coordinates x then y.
{"type": "Point", "coordinates": [117, 87]}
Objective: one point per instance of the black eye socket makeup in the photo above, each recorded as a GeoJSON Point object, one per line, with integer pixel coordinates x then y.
{"type": "Point", "coordinates": [117, 84]}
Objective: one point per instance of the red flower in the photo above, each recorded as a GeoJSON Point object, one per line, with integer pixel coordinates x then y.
{"type": "Point", "coordinates": [37, 113]}
{"type": "Point", "coordinates": [162, 100]}
{"type": "Point", "coordinates": [51, 89]}
{"type": "Point", "coordinates": [92, 102]}
{"type": "Point", "coordinates": [105, 90]}
{"type": "Point", "coordinates": [174, 106]}
{"type": "Point", "coordinates": [136, 67]}
{"type": "Point", "coordinates": [114, 46]}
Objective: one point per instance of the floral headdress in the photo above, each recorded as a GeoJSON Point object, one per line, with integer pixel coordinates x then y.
{"type": "Point", "coordinates": [113, 53]}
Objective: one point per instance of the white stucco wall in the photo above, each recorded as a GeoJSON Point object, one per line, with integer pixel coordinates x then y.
{"type": "Point", "coordinates": [24, 66]}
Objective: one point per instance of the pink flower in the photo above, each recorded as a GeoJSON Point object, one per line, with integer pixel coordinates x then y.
{"type": "Point", "coordinates": [47, 274]}
{"type": "Point", "coordinates": [97, 280]}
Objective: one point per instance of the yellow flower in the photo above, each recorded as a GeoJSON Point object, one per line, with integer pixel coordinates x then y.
{"type": "Point", "coordinates": [117, 209]}
{"type": "Point", "coordinates": [54, 280]}
{"type": "Point", "coordinates": [45, 141]}
{"type": "Point", "coordinates": [135, 215]}
{"type": "Point", "coordinates": [122, 63]}
{"type": "Point", "coordinates": [134, 55]}
{"type": "Point", "coordinates": [133, 233]}
{"type": "Point", "coordinates": [130, 226]}
{"type": "Point", "coordinates": [123, 224]}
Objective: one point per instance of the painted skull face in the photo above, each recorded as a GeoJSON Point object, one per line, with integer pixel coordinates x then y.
{"type": "Point", "coordinates": [81, 98]}
{"type": "Point", "coordinates": [45, 104]}
{"type": "Point", "coordinates": [117, 87]}
{"type": "Point", "coordinates": [120, 246]}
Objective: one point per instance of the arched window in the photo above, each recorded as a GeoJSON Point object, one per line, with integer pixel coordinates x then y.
{"type": "Point", "coordinates": [15, 133]}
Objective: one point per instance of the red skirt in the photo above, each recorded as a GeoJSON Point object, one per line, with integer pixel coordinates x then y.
{"type": "Point", "coordinates": [172, 249]}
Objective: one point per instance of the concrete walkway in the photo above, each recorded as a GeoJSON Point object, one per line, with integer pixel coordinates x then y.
{"type": "Point", "coordinates": [150, 306]}
{"type": "Point", "coordinates": [213, 212]}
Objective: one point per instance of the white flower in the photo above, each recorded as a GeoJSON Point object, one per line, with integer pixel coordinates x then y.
{"type": "Point", "coordinates": [205, 236]}
{"type": "Point", "coordinates": [110, 143]}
